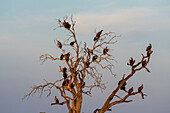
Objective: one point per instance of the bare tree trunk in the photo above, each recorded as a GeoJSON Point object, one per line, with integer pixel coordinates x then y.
{"type": "Point", "coordinates": [79, 101]}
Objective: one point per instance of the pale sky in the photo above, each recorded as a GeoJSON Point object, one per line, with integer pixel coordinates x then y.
{"type": "Point", "coordinates": [26, 32]}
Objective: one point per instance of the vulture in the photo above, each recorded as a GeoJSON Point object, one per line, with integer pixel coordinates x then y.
{"type": "Point", "coordinates": [96, 38]}
{"type": "Point", "coordinates": [61, 57]}
{"type": "Point", "coordinates": [149, 53]}
{"type": "Point", "coordinates": [87, 64]}
{"type": "Point", "coordinates": [144, 63]}
{"type": "Point", "coordinates": [130, 90]}
{"type": "Point", "coordinates": [72, 43]}
{"type": "Point", "coordinates": [140, 88]}
{"type": "Point", "coordinates": [56, 99]}
{"type": "Point", "coordinates": [149, 47]}
{"type": "Point", "coordinates": [59, 44]}
{"type": "Point", "coordinates": [123, 86]}
{"type": "Point", "coordinates": [64, 70]}
{"type": "Point", "coordinates": [65, 83]}
{"type": "Point", "coordinates": [71, 85]}
{"type": "Point", "coordinates": [105, 50]}
{"type": "Point", "coordinates": [66, 25]}
{"type": "Point", "coordinates": [67, 56]}
{"type": "Point", "coordinates": [65, 75]}
{"type": "Point", "coordinates": [94, 57]}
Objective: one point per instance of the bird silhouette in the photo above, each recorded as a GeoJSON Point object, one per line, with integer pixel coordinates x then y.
{"type": "Point", "coordinates": [67, 56]}
{"type": "Point", "coordinates": [64, 70]}
{"type": "Point", "coordinates": [98, 35]}
{"type": "Point", "coordinates": [59, 44]}
{"type": "Point", "coordinates": [130, 90]}
{"type": "Point", "coordinates": [87, 63]}
{"type": "Point", "coordinates": [65, 75]}
{"type": "Point", "coordinates": [61, 57]}
{"type": "Point", "coordinates": [149, 53]}
{"type": "Point", "coordinates": [72, 43]}
{"type": "Point", "coordinates": [66, 25]}
{"type": "Point", "coordinates": [123, 86]}
{"type": "Point", "coordinates": [56, 99]}
{"type": "Point", "coordinates": [140, 88]}
{"type": "Point", "coordinates": [65, 82]}
{"type": "Point", "coordinates": [94, 57]}
{"type": "Point", "coordinates": [105, 50]}
{"type": "Point", "coordinates": [149, 47]}
{"type": "Point", "coordinates": [144, 63]}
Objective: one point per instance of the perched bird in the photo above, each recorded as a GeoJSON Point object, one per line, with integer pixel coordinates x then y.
{"type": "Point", "coordinates": [64, 70]}
{"type": "Point", "coordinates": [98, 35]}
{"type": "Point", "coordinates": [65, 75]}
{"type": "Point", "coordinates": [67, 56]}
{"type": "Point", "coordinates": [56, 99]}
{"type": "Point", "coordinates": [72, 43]}
{"type": "Point", "coordinates": [149, 47]}
{"type": "Point", "coordinates": [72, 85]}
{"type": "Point", "coordinates": [94, 57]}
{"type": "Point", "coordinates": [140, 88]}
{"type": "Point", "coordinates": [66, 25]}
{"type": "Point", "coordinates": [149, 53]}
{"type": "Point", "coordinates": [123, 86]}
{"type": "Point", "coordinates": [87, 64]}
{"type": "Point", "coordinates": [144, 63]}
{"type": "Point", "coordinates": [105, 50]}
{"type": "Point", "coordinates": [61, 57]}
{"type": "Point", "coordinates": [131, 62]}
{"type": "Point", "coordinates": [130, 90]}
{"type": "Point", "coordinates": [65, 82]}
{"type": "Point", "coordinates": [59, 44]}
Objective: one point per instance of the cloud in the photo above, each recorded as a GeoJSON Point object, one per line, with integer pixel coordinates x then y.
{"type": "Point", "coordinates": [126, 20]}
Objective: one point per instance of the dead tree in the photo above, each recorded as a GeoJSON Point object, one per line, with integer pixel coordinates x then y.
{"type": "Point", "coordinates": [83, 62]}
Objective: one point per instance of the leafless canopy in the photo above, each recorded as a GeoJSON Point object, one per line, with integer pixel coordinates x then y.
{"type": "Point", "coordinates": [84, 62]}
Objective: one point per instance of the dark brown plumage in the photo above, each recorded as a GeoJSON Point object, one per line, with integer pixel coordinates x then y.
{"type": "Point", "coordinates": [56, 99]}
{"type": "Point", "coordinates": [105, 50]}
{"type": "Point", "coordinates": [140, 88]}
{"type": "Point", "coordinates": [130, 90]}
{"type": "Point", "coordinates": [72, 85]}
{"type": "Point", "coordinates": [149, 47]}
{"type": "Point", "coordinates": [72, 43]}
{"type": "Point", "coordinates": [149, 53]}
{"type": "Point", "coordinates": [61, 57]}
{"type": "Point", "coordinates": [59, 44]}
{"type": "Point", "coordinates": [98, 35]}
{"type": "Point", "coordinates": [87, 64]}
{"type": "Point", "coordinates": [67, 56]}
{"type": "Point", "coordinates": [64, 70]}
{"type": "Point", "coordinates": [94, 57]}
{"type": "Point", "coordinates": [123, 86]}
{"type": "Point", "coordinates": [66, 25]}
{"type": "Point", "coordinates": [65, 75]}
{"type": "Point", "coordinates": [144, 63]}
{"type": "Point", "coordinates": [65, 82]}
